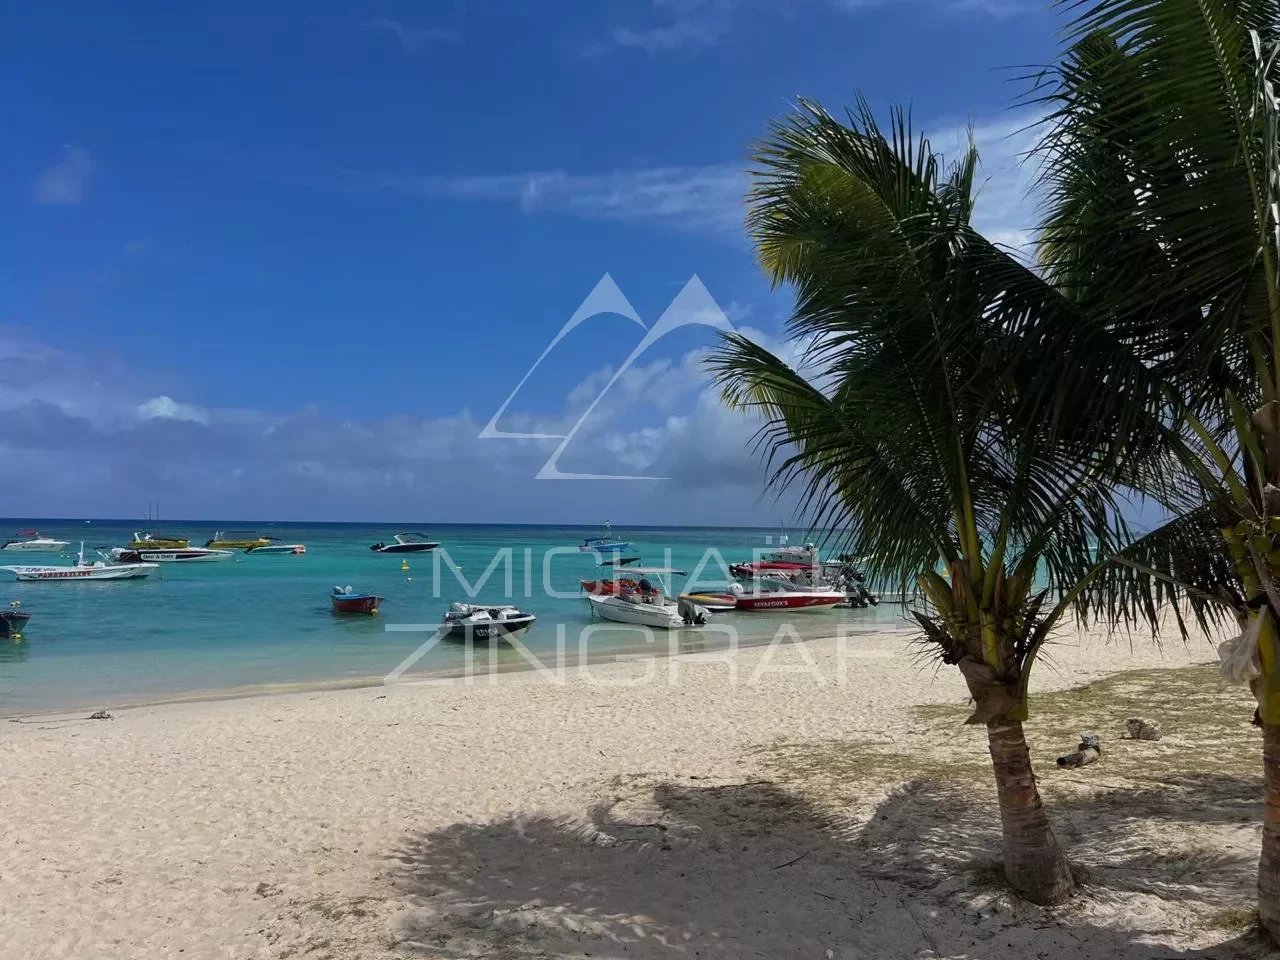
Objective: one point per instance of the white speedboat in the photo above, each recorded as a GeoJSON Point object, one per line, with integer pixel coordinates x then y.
{"type": "Point", "coordinates": [643, 604]}
{"type": "Point", "coordinates": [167, 555]}
{"type": "Point", "coordinates": [296, 549]}
{"type": "Point", "coordinates": [83, 570]}
{"type": "Point", "coordinates": [406, 543]}
{"type": "Point", "coordinates": [477, 623]}
{"type": "Point", "coordinates": [236, 540]}
{"type": "Point", "coordinates": [34, 544]}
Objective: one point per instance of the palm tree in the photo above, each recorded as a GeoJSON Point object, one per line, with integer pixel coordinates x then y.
{"type": "Point", "coordinates": [1162, 169]}
{"type": "Point", "coordinates": [916, 424]}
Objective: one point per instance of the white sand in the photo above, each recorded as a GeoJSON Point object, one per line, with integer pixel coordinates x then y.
{"type": "Point", "coordinates": [601, 818]}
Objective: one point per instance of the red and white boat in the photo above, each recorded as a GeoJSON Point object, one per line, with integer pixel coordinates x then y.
{"type": "Point", "coordinates": [802, 600]}
{"type": "Point", "coordinates": [770, 593]}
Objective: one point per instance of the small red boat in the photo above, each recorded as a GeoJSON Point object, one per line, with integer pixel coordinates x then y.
{"type": "Point", "coordinates": [345, 600]}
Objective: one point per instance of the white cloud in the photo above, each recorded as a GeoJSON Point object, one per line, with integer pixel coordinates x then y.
{"type": "Point", "coordinates": [711, 198]}
{"type": "Point", "coordinates": [694, 197]}
{"type": "Point", "coordinates": [700, 24]}
{"type": "Point", "coordinates": [685, 25]}
{"type": "Point", "coordinates": [681, 34]}
{"type": "Point", "coordinates": [1005, 210]}
{"type": "Point", "coordinates": [166, 408]}
{"type": "Point", "coordinates": [993, 8]}
{"type": "Point", "coordinates": [67, 181]}
{"type": "Point", "coordinates": [413, 40]}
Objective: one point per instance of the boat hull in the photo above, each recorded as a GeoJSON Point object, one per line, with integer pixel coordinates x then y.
{"type": "Point", "coordinates": [122, 571]}
{"type": "Point", "coordinates": [659, 616]}
{"type": "Point", "coordinates": [190, 555]}
{"type": "Point", "coordinates": [279, 549]}
{"type": "Point", "coordinates": [403, 547]}
{"type": "Point", "coordinates": [505, 631]}
{"type": "Point", "coordinates": [356, 603]}
{"type": "Point", "coordinates": [12, 623]}
{"type": "Point", "coordinates": [35, 546]}
{"type": "Point", "coordinates": [794, 602]}
{"type": "Point", "coordinates": [221, 542]}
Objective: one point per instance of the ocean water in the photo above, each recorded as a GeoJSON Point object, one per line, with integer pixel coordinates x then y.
{"type": "Point", "coordinates": [259, 622]}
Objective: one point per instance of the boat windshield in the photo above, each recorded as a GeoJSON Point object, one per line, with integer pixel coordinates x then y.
{"type": "Point", "coordinates": [778, 584]}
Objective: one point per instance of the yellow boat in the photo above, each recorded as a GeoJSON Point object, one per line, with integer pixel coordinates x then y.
{"type": "Point", "coordinates": [236, 540]}
{"type": "Point", "coordinates": [158, 541]}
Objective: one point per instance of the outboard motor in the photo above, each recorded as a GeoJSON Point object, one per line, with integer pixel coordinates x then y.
{"type": "Point", "coordinates": [691, 613]}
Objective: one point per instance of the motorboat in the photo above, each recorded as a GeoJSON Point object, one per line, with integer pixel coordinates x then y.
{"type": "Point", "coordinates": [770, 568]}
{"type": "Point", "coordinates": [236, 540]}
{"type": "Point", "coordinates": [605, 543]}
{"type": "Point", "coordinates": [406, 543]}
{"type": "Point", "coordinates": [639, 602]}
{"type": "Point", "coordinates": [13, 621]}
{"type": "Point", "coordinates": [479, 623]}
{"type": "Point", "coordinates": [31, 542]}
{"type": "Point", "coordinates": [132, 554]}
{"type": "Point", "coordinates": [841, 577]}
{"type": "Point", "coordinates": [295, 549]}
{"type": "Point", "coordinates": [84, 570]}
{"type": "Point", "coordinates": [785, 559]}
{"type": "Point", "coordinates": [346, 600]}
{"type": "Point", "coordinates": [787, 553]}
{"type": "Point", "coordinates": [769, 593]}
{"type": "Point", "coordinates": [158, 541]}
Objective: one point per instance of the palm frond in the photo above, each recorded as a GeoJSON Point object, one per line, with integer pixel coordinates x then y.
{"type": "Point", "coordinates": [1179, 565]}
{"type": "Point", "coordinates": [933, 409]}
{"type": "Point", "coordinates": [1155, 172]}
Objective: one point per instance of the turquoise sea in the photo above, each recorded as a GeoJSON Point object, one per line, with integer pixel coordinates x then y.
{"type": "Point", "coordinates": [264, 621]}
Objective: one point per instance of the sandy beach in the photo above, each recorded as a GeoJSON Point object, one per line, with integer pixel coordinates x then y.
{"type": "Point", "coordinates": [670, 808]}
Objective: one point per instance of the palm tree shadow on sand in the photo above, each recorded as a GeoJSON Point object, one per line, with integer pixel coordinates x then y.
{"type": "Point", "coordinates": [753, 870]}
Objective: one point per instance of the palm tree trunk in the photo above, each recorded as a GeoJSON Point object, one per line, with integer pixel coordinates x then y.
{"type": "Point", "coordinates": [1034, 864]}
{"type": "Point", "coordinates": [1269, 864]}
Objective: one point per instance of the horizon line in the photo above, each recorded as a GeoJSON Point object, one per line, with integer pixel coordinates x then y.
{"type": "Point", "coordinates": [224, 522]}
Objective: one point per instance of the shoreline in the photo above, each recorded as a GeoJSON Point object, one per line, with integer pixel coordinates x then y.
{"type": "Point", "coordinates": [521, 665]}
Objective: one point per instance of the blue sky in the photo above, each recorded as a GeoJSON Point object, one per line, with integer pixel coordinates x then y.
{"type": "Point", "coordinates": [286, 260]}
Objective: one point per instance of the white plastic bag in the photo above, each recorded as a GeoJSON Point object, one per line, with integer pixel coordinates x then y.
{"type": "Point", "coordinates": [1239, 655]}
